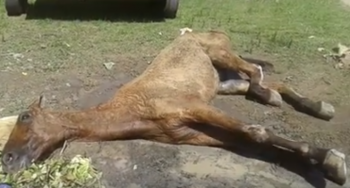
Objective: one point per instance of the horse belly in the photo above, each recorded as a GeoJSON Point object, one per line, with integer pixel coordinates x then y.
{"type": "Point", "coordinates": [191, 82]}
{"type": "Point", "coordinates": [181, 69]}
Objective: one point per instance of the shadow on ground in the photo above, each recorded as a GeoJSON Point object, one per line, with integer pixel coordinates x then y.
{"type": "Point", "coordinates": [88, 10]}
{"type": "Point", "coordinates": [142, 164]}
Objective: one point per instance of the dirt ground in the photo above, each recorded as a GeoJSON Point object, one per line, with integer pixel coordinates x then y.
{"type": "Point", "coordinates": [143, 164]}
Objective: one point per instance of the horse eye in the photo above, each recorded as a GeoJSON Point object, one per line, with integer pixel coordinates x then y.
{"type": "Point", "coordinates": [24, 117]}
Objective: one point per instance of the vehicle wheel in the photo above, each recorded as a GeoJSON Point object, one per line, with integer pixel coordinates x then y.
{"type": "Point", "coordinates": [16, 7]}
{"type": "Point", "coordinates": [170, 8]}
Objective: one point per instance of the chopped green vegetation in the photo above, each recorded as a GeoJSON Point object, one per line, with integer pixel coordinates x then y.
{"type": "Point", "coordinates": [55, 173]}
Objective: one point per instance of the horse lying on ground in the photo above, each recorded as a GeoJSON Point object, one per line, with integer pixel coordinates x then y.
{"type": "Point", "coordinates": [170, 103]}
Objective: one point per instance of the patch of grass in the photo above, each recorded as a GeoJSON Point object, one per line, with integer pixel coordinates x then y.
{"type": "Point", "coordinates": [277, 24]}
{"type": "Point", "coordinates": [271, 26]}
{"type": "Point", "coordinates": [57, 173]}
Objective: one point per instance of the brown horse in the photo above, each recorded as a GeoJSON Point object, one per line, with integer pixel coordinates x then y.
{"type": "Point", "coordinates": [170, 103]}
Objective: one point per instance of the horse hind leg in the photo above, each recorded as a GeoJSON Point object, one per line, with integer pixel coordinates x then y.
{"type": "Point", "coordinates": [224, 58]}
{"type": "Point", "coordinates": [217, 46]}
{"type": "Point", "coordinates": [271, 93]}
{"type": "Point", "coordinates": [318, 109]}
{"type": "Point", "coordinates": [331, 160]}
{"type": "Point", "coordinates": [241, 87]}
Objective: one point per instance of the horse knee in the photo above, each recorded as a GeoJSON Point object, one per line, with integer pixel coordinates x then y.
{"type": "Point", "coordinates": [257, 133]}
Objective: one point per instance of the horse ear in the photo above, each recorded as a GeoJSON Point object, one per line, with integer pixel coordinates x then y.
{"type": "Point", "coordinates": [39, 103]}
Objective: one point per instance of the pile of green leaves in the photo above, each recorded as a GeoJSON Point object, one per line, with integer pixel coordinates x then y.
{"type": "Point", "coordinates": [56, 173]}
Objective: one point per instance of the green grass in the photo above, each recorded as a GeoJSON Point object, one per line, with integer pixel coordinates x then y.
{"type": "Point", "coordinates": [281, 27]}
{"type": "Point", "coordinates": [273, 25]}
{"type": "Point", "coordinates": [280, 30]}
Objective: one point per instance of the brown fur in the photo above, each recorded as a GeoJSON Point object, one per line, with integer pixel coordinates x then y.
{"type": "Point", "coordinates": [170, 103]}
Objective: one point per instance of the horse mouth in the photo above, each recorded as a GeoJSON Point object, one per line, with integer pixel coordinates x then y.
{"type": "Point", "coordinates": [23, 163]}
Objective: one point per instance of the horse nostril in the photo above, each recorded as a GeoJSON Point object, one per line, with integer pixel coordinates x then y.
{"type": "Point", "coordinates": [8, 157]}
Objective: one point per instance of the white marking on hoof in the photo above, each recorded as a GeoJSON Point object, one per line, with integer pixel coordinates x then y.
{"type": "Point", "coordinates": [261, 73]}
{"type": "Point", "coordinates": [185, 30]}
{"type": "Point", "coordinates": [335, 166]}
{"type": "Point", "coordinates": [326, 109]}
{"type": "Point", "coordinates": [275, 98]}
{"type": "Point", "coordinates": [337, 153]}
{"type": "Point", "coordinates": [342, 156]}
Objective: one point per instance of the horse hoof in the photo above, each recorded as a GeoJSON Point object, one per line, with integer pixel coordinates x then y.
{"type": "Point", "coordinates": [275, 98]}
{"type": "Point", "coordinates": [326, 110]}
{"type": "Point", "coordinates": [335, 167]}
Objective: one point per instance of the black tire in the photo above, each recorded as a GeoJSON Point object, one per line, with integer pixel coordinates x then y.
{"type": "Point", "coordinates": [16, 7]}
{"type": "Point", "coordinates": [170, 8]}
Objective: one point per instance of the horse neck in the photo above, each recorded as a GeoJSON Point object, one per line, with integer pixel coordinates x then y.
{"type": "Point", "coordinates": [95, 124]}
